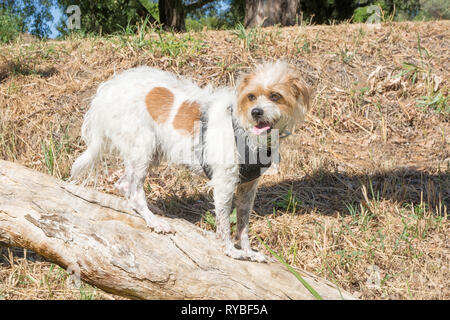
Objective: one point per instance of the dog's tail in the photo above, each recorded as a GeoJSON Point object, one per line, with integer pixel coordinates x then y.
{"type": "Point", "coordinates": [86, 161]}
{"type": "Point", "coordinates": [94, 139]}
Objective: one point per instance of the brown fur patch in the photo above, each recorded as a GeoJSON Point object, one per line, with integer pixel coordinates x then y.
{"type": "Point", "coordinates": [159, 101]}
{"type": "Point", "coordinates": [186, 116]}
{"type": "Point", "coordinates": [300, 88]}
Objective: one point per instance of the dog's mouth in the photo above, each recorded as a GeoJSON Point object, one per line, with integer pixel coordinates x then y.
{"type": "Point", "coordinates": [261, 127]}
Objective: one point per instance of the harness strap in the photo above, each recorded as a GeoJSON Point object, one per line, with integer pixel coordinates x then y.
{"type": "Point", "coordinates": [200, 148]}
{"type": "Point", "coordinates": [251, 165]}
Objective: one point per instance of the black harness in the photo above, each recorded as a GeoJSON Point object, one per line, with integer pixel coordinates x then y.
{"type": "Point", "coordinates": [253, 161]}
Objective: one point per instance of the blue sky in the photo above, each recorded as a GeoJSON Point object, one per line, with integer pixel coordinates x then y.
{"type": "Point", "coordinates": [57, 14]}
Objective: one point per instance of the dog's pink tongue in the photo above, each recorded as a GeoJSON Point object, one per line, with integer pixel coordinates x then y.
{"type": "Point", "coordinates": [257, 130]}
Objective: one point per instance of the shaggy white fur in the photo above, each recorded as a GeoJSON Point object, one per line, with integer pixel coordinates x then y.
{"type": "Point", "coordinates": [119, 119]}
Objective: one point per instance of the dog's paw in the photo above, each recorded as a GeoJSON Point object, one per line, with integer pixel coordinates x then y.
{"type": "Point", "coordinates": [257, 257]}
{"type": "Point", "coordinates": [246, 255]}
{"type": "Point", "coordinates": [159, 225]}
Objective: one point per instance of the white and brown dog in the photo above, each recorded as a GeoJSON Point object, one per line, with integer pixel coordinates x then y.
{"type": "Point", "coordinates": [148, 115]}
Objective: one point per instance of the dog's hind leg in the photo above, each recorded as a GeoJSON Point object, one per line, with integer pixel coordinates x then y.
{"type": "Point", "coordinates": [122, 185]}
{"type": "Point", "coordinates": [135, 173]}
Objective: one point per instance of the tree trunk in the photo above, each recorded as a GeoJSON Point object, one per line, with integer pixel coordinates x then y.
{"type": "Point", "coordinates": [99, 238]}
{"type": "Point", "coordinates": [144, 12]}
{"type": "Point", "coordinates": [172, 14]}
{"type": "Point", "coordinates": [264, 13]}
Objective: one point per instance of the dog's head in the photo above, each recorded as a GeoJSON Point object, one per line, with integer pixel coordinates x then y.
{"type": "Point", "coordinates": [273, 96]}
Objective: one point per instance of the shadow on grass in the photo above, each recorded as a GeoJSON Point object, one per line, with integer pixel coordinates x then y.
{"type": "Point", "coordinates": [329, 193]}
{"type": "Point", "coordinates": [19, 68]}
{"type": "Point", "coordinates": [8, 254]}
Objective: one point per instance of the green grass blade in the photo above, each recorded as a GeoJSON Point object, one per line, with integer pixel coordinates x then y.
{"type": "Point", "coordinates": [295, 273]}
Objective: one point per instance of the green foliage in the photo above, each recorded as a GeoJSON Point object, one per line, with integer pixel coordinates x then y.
{"type": "Point", "coordinates": [304, 48]}
{"type": "Point", "coordinates": [361, 15]}
{"type": "Point", "coordinates": [9, 26]}
{"type": "Point", "coordinates": [410, 71]}
{"type": "Point", "coordinates": [213, 17]}
{"type": "Point", "coordinates": [49, 156]}
{"type": "Point", "coordinates": [436, 101]}
{"type": "Point", "coordinates": [288, 202]}
{"type": "Point", "coordinates": [256, 37]}
{"type": "Point", "coordinates": [361, 216]}
{"type": "Point", "coordinates": [29, 15]}
{"type": "Point", "coordinates": [328, 11]}
{"type": "Point", "coordinates": [210, 22]}
{"type": "Point", "coordinates": [172, 46]}
{"type": "Point", "coordinates": [236, 13]}
{"type": "Point", "coordinates": [400, 10]}
{"type": "Point", "coordinates": [105, 17]}
{"type": "Point", "coordinates": [160, 42]}
{"type": "Point", "coordinates": [247, 35]}
{"type": "Point", "coordinates": [112, 16]}
{"type": "Point", "coordinates": [211, 220]}
{"type": "Point", "coordinates": [292, 270]}
{"type": "Point", "coordinates": [151, 7]}
{"type": "Point", "coordinates": [433, 9]}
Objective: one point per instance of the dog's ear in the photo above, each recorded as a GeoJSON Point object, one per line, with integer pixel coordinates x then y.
{"type": "Point", "coordinates": [300, 90]}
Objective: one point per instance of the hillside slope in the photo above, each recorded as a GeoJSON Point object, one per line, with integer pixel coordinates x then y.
{"type": "Point", "coordinates": [364, 185]}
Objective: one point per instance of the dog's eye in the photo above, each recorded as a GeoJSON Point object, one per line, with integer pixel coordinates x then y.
{"type": "Point", "coordinates": [275, 96]}
{"type": "Point", "coordinates": [251, 97]}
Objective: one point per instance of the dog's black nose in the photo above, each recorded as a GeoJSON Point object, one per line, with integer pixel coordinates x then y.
{"type": "Point", "coordinates": [257, 112]}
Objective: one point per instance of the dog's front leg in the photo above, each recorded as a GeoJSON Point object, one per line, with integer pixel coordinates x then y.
{"type": "Point", "coordinates": [245, 197]}
{"type": "Point", "coordinates": [223, 195]}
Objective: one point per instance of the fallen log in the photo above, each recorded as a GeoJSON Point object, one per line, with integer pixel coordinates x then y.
{"type": "Point", "coordinates": [98, 237]}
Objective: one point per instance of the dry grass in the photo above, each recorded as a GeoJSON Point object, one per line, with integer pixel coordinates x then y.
{"type": "Point", "coordinates": [25, 275]}
{"type": "Point", "coordinates": [364, 182]}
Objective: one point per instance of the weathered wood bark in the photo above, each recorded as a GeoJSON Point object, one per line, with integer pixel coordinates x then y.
{"type": "Point", "coordinates": [172, 14]}
{"type": "Point", "coordinates": [96, 235]}
{"type": "Point", "coordinates": [264, 13]}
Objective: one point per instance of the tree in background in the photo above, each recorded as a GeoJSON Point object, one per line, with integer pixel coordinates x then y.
{"type": "Point", "coordinates": [328, 11]}
{"type": "Point", "coordinates": [33, 16]}
{"type": "Point", "coordinates": [112, 16]}
{"type": "Point", "coordinates": [109, 16]}
{"type": "Point", "coordinates": [105, 17]}
{"type": "Point", "coordinates": [398, 10]}
{"type": "Point", "coordinates": [236, 13]}
{"type": "Point", "coordinates": [289, 12]}
{"type": "Point", "coordinates": [433, 9]}
{"type": "Point", "coordinates": [213, 16]}
{"type": "Point", "coordinates": [172, 13]}
{"type": "Point", "coordinates": [270, 12]}
{"type": "Point", "coordinates": [10, 25]}
{"type": "Point", "coordinates": [402, 9]}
